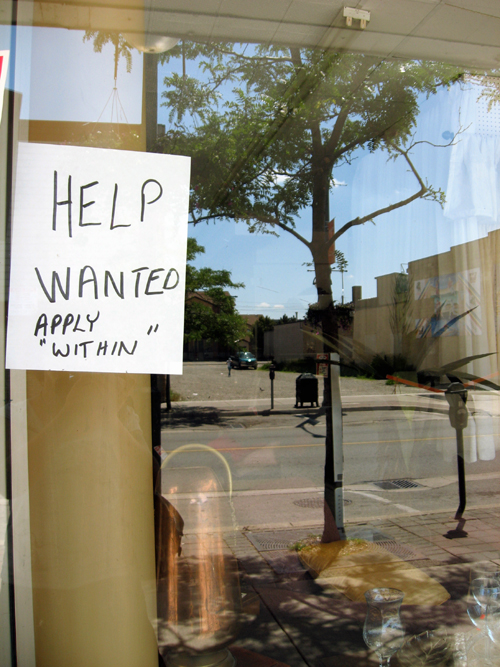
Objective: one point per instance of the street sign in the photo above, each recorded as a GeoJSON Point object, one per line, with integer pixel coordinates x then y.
{"type": "Point", "coordinates": [322, 364]}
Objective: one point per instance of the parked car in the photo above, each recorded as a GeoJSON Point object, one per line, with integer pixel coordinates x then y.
{"type": "Point", "coordinates": [243, 360]}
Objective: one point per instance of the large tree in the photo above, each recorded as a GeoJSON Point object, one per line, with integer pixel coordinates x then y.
{"type": "Point", "coordinates": [266, 127]}
{"type": "Point", "coordinates": [210, 312]}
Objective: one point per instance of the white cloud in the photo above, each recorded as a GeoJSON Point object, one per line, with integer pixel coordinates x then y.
{"type": "Point", "coordinates": [276, 306]}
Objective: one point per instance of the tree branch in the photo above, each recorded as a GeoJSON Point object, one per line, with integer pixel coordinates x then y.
{"type": "Point", "coordinates": [387, 209]}
{"type": "Point", "coordinates": [358, 81]}
{"type": "Point", "coordinates": [265, 59]}
{"type": "Point", "coordinates": [285, 228]}
{"type": "Point", "coordinates": [259, 219]}
{"type": "Point", "coordinates": [351, 146]}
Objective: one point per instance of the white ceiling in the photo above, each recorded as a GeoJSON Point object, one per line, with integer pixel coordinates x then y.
{"type": "Point", "coordinates": [465, 32]}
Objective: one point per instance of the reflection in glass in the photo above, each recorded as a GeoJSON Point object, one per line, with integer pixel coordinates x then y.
{"type": "Point", "coordinates": [271, 130]}
{"type": "Point", "coordinates": [383, 631]}
{"type": "Point", "coordinates": [198, 591]}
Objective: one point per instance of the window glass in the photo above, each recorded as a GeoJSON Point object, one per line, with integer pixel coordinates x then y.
{"type": "Point", "coordinates": [335, 426]}
{"type": "Point", "coordinates": [292, 148]}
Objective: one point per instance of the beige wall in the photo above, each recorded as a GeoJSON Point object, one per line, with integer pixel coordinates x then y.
{"type": "Point", "coordinates": [372, 330]}
{"type": "Point", "coordinates": [291, 341]}
{"type": "Point", "coordinates": [479, 258]}
{"type": "Point", "coordinates": [284, 342]}
{"type": "Point", "coordinates": [371, 324]}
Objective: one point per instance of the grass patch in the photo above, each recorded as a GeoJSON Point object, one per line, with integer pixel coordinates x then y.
{"type": "Point", "coordinates": [175, 397]}
{"type": "Point", "coordinates": [309, 541]}
{"type": "Point", "coordinates": [315, 540]}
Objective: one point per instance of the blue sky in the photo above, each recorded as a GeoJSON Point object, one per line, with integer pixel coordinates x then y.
{"type": "Point", "coordinates": [66, 80]}
{"type": "Point", "coordinates": [61, 78]}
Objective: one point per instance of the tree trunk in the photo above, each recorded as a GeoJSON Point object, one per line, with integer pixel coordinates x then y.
{"type": "Point", "coordinates": [329, 325]}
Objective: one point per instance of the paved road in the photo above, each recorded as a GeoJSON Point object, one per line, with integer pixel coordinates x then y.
{"type": "Point", "coordinates": [276, 460]}
{"type": "Point", "coordinates": [277, 471]}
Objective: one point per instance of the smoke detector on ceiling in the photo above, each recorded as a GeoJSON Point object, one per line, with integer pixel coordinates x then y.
{"type": "Point", "coordinates": [360, 15]}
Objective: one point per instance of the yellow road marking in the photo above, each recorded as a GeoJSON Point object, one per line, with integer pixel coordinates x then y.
{"type": "Point", "coordinates": [322, 444]}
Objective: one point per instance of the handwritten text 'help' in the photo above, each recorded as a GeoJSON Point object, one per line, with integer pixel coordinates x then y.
{"type": "Point", "coordinates": [150, 192]}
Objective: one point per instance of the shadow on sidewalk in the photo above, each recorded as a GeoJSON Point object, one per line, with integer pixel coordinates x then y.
{"type": "Point", "coordinates": [191, 416]}
{"type": "Point", "coordinates": [326, 627]}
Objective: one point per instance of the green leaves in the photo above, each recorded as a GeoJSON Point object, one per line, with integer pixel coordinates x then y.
{"type": "Point", "coordinates": [185, 95]}
{"type": "Point", "coordinates": [210, 312]}
{"type": "Point", "coordinates": [102, 37]}
{"type": "Point", "coordinates": [202, 323]}
{"type": "Point", "coordinates": [264, 124]}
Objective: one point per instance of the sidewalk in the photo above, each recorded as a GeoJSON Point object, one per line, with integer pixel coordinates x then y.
{"type": "Point", "coordinates": [286, 406]}
{"type": "Point", "coordinates": [305, 622]}
{"type": "Point", "coordinates": [487, 402]}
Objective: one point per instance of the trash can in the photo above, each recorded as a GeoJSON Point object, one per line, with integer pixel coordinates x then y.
{"type": "Point", "coordinates": [306, 390]}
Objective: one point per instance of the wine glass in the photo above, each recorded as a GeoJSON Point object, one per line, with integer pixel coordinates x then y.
{"type": "Point", "coordinates": [482, 592]}
{"type": "Point", "coordinates": [383, 631]}
{"type": "Point", "coordinates": [483, 609]}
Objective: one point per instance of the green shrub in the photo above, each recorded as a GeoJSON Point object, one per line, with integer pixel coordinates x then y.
{"type": "Point", "coordinates": [390, 364]}
{"type": "Point", "coordinates": [305, 365]}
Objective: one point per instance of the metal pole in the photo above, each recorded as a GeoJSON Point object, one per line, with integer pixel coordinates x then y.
{"type": "Point", "coordinates": [338, 445]}
{"type": "Point", "coordinates": [167, 391]}
{"type": "Point", "coordinates": [272, 370]}
{"type": "Point", "coordinates": [462, 494]}
{"type": "Point", "coordinates": [456, 395]}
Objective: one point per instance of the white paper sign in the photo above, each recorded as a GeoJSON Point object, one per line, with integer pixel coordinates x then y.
{"type": "Point", "coordinates": [98, 260]}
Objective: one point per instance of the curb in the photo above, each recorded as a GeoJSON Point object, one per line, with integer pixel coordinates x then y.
{"type": "Point", "coordinates": [317, 411]}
